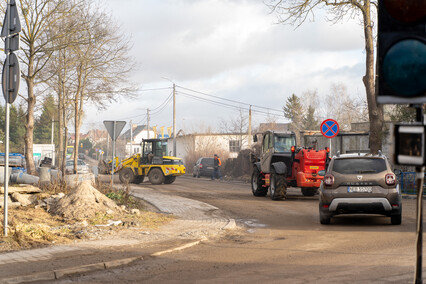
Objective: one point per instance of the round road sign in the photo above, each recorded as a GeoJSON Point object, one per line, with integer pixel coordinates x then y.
{"type": "Point", "coordinates": [329, 128]}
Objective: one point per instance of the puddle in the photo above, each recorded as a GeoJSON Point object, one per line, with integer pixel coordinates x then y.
{"type": "Point", "coordinates": [252, 224]}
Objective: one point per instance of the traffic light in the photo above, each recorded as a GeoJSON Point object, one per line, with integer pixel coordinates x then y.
{"type": "Point", "coordinates": [402, 51]}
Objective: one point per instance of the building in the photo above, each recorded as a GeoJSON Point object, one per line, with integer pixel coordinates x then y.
{"type": "Point", "coordinates": [206, 144]}
{"type": "Point", "coordinates": [134, 136]}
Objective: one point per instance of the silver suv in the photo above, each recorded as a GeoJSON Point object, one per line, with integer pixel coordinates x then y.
{"type": "Point", "coordinates": [360, 184]}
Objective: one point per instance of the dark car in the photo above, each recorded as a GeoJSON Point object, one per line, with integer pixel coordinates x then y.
{"type": "Point", "coordinates": [203, 167]}
{"type": "Point", "coordinates": [360, 184]}
{"type": "Point", "coordinates": [81, 156]}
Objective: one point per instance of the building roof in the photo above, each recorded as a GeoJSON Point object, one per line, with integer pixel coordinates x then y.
{"type": "Point", "coordinates": [136, 131]}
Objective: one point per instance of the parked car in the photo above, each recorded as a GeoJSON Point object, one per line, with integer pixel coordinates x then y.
{"type": "Point", "coordinates": [81, 156]}
{"type": "Point", "coordinates": [203, 167]}
{"type": "Point", "coordinates": [82, 167]}
{"type": "Point", "coordinates": [360, 184]}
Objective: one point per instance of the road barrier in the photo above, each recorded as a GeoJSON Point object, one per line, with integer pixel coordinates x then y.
{"type": "Point", "coordinates": [407, 181]}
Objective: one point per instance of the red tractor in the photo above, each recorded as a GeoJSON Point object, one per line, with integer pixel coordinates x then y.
{"type": "Point", "coordinates": [282, 164]}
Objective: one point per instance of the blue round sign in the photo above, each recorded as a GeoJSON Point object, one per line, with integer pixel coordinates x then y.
{"type": "Point", "coordinates": [329, 128]}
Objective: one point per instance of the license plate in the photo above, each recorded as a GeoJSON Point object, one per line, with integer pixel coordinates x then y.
{"type": "Point", "coordinates": [314, 167]}
{"type": "Point", "coordinates": [367, 189]}
{"type": "Point", "coordinates": [210, 168]}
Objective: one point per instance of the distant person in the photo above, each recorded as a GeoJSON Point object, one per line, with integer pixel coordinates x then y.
{"type": "Point", "coordinates": [216, 170]}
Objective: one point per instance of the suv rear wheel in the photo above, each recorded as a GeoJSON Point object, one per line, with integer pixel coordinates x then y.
{"type": "Point", "coordinates": [396, 219]}
{"type": "Point", "coordinates": [324, 217]}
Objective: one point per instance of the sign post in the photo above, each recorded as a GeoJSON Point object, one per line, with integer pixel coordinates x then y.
{"type": "Point", "coordinates": [114, 129]}
{"type": "Point", "coordinates": [10, 83]}
{"type": "Point", "coordinates": [329, 129]}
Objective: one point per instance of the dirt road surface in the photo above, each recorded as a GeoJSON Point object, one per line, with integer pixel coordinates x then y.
{"type": "Point", "coordinates": [276, 242]}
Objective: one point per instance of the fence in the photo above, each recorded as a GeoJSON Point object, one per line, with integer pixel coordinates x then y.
{"type": "Point", "coordinates": [407, 181]}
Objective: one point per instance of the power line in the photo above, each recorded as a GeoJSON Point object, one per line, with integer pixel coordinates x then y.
{"type": "Point", "coordinates": [229, 100]}
{"type": "Point", "coordinates": [155, 89]}
{"type": "Point", "coordinates": [227, 105]}
{"type": "Point", "coordinates": [163, 105]}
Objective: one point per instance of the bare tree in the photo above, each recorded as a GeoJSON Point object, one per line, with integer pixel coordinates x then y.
{"type": "Point", "coordinates": [297, 11]}
{"type": "Point", "coordinates": [101, 66]}
{"type": "Point", "coordinates": [350, 110]}
{"type": "Point", "coordinates": [59, 72]}
{"type": "Point", "coordinates": [37, 49]}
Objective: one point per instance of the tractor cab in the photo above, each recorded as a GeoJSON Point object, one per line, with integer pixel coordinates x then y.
{"type": "Point", "coordinates": [153, 151]}
{"type": "Point", "coordinates": [277, 147]}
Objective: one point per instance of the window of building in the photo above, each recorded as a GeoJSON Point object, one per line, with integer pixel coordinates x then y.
{"type": "Point", "coordinates": [234, 145]}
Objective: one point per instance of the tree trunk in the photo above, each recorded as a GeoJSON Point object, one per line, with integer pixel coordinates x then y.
{"type": "Point", "coordinates": [77, 132]}
{"type": "Point", "coordinates": [61, 111]}
{"type": "Point", "coordinates": [29, 125]}
{"type": "Point", "coordinates": [375, 111]}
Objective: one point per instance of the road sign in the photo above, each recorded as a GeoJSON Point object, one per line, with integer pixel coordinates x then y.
{"type": "Point", "coordinates": [14, 78]}
{"type": "Point", "coordinates": [329, 128]}
{"type": "Point", "coordinates": [114, 128]}
{"type": "Point", "coordinates": [15, 24]}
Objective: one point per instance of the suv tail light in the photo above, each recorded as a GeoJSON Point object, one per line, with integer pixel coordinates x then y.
{"type": "Point", "coordinates": [200, 166]}
{"type": "Point", "coordinates": [328, 180]}
{"type": "Point", "coordinates": [390, 179]}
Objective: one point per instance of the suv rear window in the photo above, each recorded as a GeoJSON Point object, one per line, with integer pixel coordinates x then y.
{"type": "Point", "coordinates": [208, 161]}
{"type": "Point", "coordinates": [359, 166]}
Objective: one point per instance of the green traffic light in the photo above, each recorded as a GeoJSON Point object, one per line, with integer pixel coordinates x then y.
{"type": "Point", "coordinates": [404, 68]}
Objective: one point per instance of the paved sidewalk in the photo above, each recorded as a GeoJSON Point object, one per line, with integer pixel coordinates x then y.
{"type": "Point", "coordinates": [197, 221]}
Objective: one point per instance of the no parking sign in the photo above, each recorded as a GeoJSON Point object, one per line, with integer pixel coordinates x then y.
{"type": "Point", "coordinates": [329, 128]}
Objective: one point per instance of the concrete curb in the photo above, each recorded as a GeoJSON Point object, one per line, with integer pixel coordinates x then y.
{"type": "Point", "coordinates": [60, 273]}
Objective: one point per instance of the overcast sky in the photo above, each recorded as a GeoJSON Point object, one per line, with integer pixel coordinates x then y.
{"type": "Point", "coordinates": [231, 49]}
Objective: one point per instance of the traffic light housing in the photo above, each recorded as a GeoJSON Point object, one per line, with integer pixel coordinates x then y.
{"type": "Point", "coordinates": [402, 51]}
{"type": "Point", "coordinates": [409, 146]}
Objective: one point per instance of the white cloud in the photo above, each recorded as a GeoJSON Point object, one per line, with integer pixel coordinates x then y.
{"type": "Point", "coordinates": [231, 49]}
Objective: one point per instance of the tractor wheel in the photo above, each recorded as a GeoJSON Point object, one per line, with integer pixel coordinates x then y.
{"type": "Point", "coordinates": [257, 183]}
{"type": "Point", "coordinates": [156, 176]}
{"type": "Point", "coordinates": [309, 191]}
{"type": "Point", "coordinates": [169, 179]}
{"type": "Point", "coordinates": [138, 179]}
{"type": "Point", "coordinates": [277, 187]}
{"type": "Point", "coordinates": [126, 176]}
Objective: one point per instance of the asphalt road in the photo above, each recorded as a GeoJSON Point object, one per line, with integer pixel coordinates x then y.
{"type": "Point", "coordinates": [278, 242]}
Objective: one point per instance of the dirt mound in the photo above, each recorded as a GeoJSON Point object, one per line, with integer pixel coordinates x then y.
{"type": "Point", "coordinates": [83, 202]}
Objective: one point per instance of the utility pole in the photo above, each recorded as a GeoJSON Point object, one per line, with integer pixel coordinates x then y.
{"type": "Point", "coordinates": [131, 138]}
{"type": "Point", "coordinates": [249, 129]}
{"type": "Point", "coordinates": [174, 120]}
{"type": "Point", "coordinates": [147, 119]}
{"type": "Point", "coordinates": [51, 139]}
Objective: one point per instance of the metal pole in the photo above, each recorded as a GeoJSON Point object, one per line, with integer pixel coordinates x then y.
{"type": "Point", "coordinates": [113, 155]}
{"type": "Point", "coordinates": [51, 139]}
{"type": "Point", "coordinates": [6, 148]}
{"type": "Point", "coordinates": [174, 120]}
{"type": "Point", "coordinates": [147, 121]}
{"type": "Point", "coordinates": [419, 231]}
{"type": "Point", "coordinates": [249, 129]}
{"type": "Point", "coordinates": [131, 138]}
